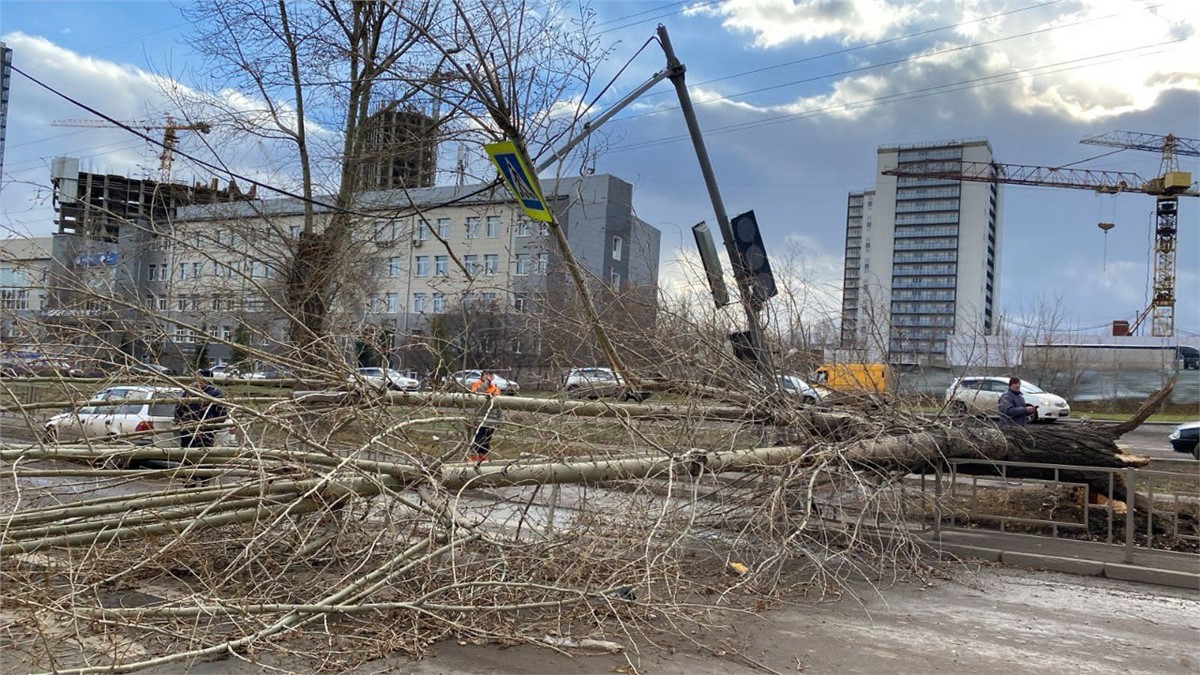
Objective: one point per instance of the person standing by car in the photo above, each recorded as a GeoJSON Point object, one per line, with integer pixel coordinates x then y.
{"type": "Point", "coordinates": [200, 419]}
{"type": "Point", "coordinates": [481, 444]}
{"type": "Point", "coordinates": [1012, 406]}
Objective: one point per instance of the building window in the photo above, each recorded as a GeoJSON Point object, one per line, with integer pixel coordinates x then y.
{"type": "Point", "coordinates": [524, 228]}
{"type": "Point", "coordinates": [543, 229]}
{"type": "Point", "coordinates": [393, 303]}
{"type": "Point", "coordinates": [473, 227]}
{"type": "Point", "coordinates": [418, 303]}
{"type": "Point", "coordinates": [422, 265]}
{"type": "Point", "coordinates": [441, 265]}
{"type": "Point", "coordinates": [183, 335]}
{"type": "Point", "coordinates": [385, 230]}
{"type": "Point", "coordinates": [294, 231]}
{"type": "Point", "coordinates": [422, 230]}
{"type": "Point", "coordinates": [162, 303]}
{"type": "Point", "coordinates": [522, 264]}
{"type": "Point", "coordinates": [615, 280]}
{"type": "Point", "coordinates": [183, 268]}
{"type": "Point", "coordinates": [152, 272]}
{"type": "Point", "coordinates": [491, 264]}
{"type": "Point", "coordinates": [181, 304]}
{"type": "Point", "coordinates": [164, 272]}
{"type": "Point", "coordinates": [489, 297]}
{"type": "Point", "coordinates": [393, 267]}
{"type": "Point", "coordinates": [226, 332]}
{"type": "Point", "coordinates": [521, 302]}
{"type": "Point", "coordinates": [516, 346]}
{"type": "Point", "coordinates": [471, 262]}
{"type": "Point", "coordinates": [197, 269]}
{"type": "Point", "coordinates": [543, 263]}
{"type": "Point", "coordinates": [439, 303]}
{"type": "Point", "coordinates": [233, 240]}
{"type": "Point", "coordinates": [443, 225]}
{"type": "Point", "coordinates": [616, 248]}
{"type": "Point", "coordinates": [493, 227]}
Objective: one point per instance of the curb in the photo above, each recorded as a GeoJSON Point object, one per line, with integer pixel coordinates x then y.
{"type": "Point", "coordinates": [1080, 566]}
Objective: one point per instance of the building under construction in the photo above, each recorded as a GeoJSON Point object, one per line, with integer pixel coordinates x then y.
{"type": "Point", "coordinates": [111, 230]}
{"type": "Point", "coordinates": [399, 150]}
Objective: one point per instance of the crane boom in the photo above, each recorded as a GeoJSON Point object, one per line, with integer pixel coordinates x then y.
{"type": "Point", "coordinates": [1106, 182]}
{"type": "Point", "coordinates": [1135, 140]}
{"type": "Point", "coordinates": [170, 135]}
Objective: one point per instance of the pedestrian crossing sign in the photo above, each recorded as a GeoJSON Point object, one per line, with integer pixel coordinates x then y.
{"type": "Point", "coordinates": [520, 179]}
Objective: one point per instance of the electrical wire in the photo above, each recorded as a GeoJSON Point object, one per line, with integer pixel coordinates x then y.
{"type": "Point", "coordinates": [873, 66]}
{"type": "Point", "coordinates": [869, 45]}
{"type": "Point", "coordinates": [961, 85]}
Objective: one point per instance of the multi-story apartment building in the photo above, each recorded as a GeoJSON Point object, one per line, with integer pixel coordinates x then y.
{"type": "Point", "coordinates": [25, 264]}
{"type": "Point", "coordinates": [921, 256]}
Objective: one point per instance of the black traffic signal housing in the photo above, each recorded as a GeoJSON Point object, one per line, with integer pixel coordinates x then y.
{"type": "Point", "coordinates": [752, 259]}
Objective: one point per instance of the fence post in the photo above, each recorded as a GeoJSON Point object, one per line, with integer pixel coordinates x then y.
{"type": "Point", "coordinates": [1130, 523]}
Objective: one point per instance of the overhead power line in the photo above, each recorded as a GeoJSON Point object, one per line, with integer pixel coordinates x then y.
{"type": "Point", "coordinates": [961, 85]}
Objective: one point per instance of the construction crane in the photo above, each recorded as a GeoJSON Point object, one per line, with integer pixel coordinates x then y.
{"type": "Point", "coordinates": [1167, 188]}
{"type": "Point", "coordinates": [170, 131]}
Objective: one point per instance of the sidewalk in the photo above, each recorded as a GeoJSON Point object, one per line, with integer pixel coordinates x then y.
{"type": "Point", "coordinates": [1167, 568]}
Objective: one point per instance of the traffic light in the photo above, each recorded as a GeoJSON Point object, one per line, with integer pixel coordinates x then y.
{"type": "Point", "coordinates": [712, 263]}
{"type": "Point", "coordinates": [754, 264]}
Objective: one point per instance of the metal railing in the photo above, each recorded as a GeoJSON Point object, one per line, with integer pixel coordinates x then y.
{"type": "Point", "coordinates": [1153, 495]}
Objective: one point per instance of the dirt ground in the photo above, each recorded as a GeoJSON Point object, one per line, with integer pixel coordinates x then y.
{"type": "Point", "coordinates": [981, 620]}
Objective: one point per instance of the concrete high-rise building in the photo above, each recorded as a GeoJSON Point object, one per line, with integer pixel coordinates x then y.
{"type": "Point", "coordinates": [921, 256]}
{"type": "Point", "coordinates": [399, 150]}
{"type": "Point", "coordinates": [5, 78]}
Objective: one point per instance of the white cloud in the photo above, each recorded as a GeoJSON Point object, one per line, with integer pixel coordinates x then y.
{"type": "Point", "coordinates": [1097, 60]}
{"type": "Point", "coordinates": [777, 22]}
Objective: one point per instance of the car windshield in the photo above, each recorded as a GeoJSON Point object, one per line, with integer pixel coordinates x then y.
{"type": "Point", "coordinates": [1027, 388]}
{"type": "Point", "coordinates": [369, 372]}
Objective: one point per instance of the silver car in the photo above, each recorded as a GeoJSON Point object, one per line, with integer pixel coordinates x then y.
{"type": "Point", "coordinates": [385, 378]}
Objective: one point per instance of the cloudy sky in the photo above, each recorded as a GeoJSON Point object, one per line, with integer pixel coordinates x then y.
{"type": "Point", "coordinates": [795, 97]}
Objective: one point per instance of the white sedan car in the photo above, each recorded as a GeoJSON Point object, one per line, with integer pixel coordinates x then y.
{"type": "Point", "coordinates": [142, 415]}
{"type": "Point", "coordinates": [982, 395]}
{"type": "Point", "coordinates": [385, 378]}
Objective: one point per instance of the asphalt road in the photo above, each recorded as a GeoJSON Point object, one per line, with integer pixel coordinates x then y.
{"type": "Point", "coordinates": [1151, 439]}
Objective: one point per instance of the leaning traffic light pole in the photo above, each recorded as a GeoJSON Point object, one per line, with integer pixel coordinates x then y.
{"type": "Point", "coordinates": [749, 345]}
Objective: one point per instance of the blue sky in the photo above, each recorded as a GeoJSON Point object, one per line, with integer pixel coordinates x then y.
{"type": "Point", "coordinates": [831, 82]}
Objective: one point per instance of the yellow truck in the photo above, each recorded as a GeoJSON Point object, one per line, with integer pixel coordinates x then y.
{"type": "Point", "coordinates": [854, 378]}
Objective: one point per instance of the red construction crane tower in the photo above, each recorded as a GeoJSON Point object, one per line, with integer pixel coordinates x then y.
{"type": "Point", "coordinates": [170, 131]}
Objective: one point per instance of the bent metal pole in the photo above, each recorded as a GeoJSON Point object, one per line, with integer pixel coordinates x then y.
{"type": "Point", "coordinates": [677, 71]}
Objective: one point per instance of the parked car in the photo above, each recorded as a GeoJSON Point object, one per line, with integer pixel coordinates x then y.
{"type": "Point", "coordinates": [152, 369]}
{"type": "Point", "coordinates": [1186, 438]}
{"type": "Point", "coordinates": [385, 378]}
{"type": "Point", "coordinates": [790, 384]}
{"type": "Point", "coordinates": [465, 378]}
{"type": "Point", "coordinates": [981, 395]}
{"type": "Point", "coordinates": [595, 382]}
{"type": "Point", "coordinates": [115, 411]}
{"type": "Point", "coordinates": [225, 373]}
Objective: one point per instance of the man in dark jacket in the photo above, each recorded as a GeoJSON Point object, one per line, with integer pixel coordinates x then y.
{"type": "Point", "coordinates": [1013, 408]}
{"type": "Point", "coordinates": [200, 419]}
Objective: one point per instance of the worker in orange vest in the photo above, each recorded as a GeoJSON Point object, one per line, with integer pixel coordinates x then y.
{"type": "Point", "coordinates": [481, 444]}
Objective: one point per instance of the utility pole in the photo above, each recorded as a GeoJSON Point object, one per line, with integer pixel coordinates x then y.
{"type": "Point", "coordinates": [754, 333]}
